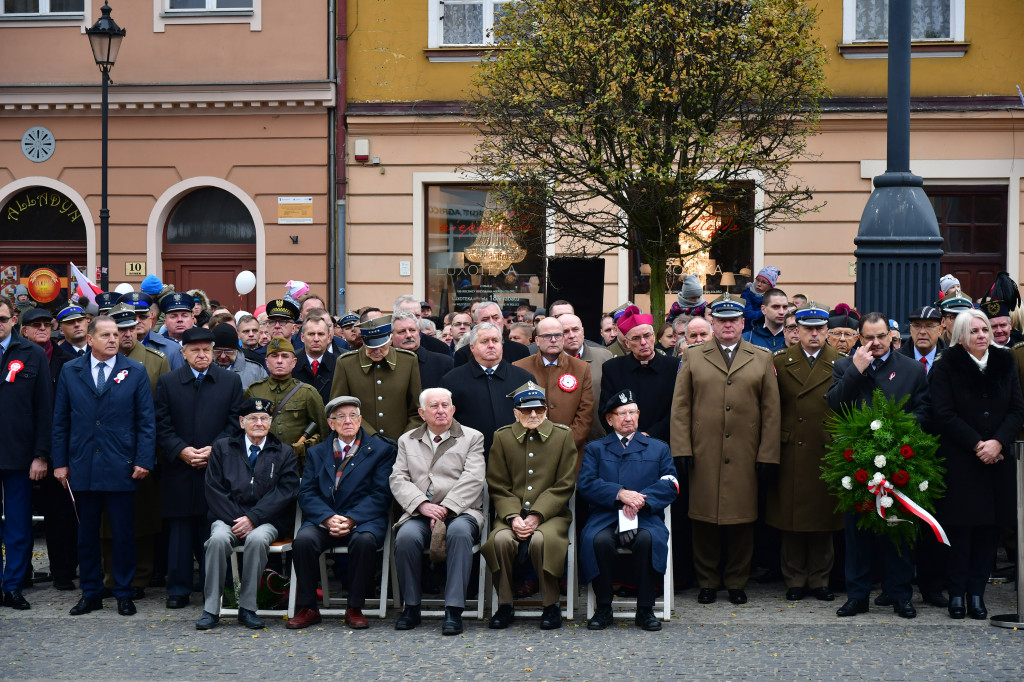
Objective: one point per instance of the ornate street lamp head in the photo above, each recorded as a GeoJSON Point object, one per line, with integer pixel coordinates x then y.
{"type": "Point", "coordinates": [105, 38]}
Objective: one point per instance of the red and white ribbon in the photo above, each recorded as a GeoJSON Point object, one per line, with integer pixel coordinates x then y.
{"type": "Point", "coordinates": [882, 488]}
{"type": "Point", "coordinates": [568, 383]}
{"type": "Point", "coordinates": [120, 376]}
{"type": "Point", "coordinates": [13, 367]}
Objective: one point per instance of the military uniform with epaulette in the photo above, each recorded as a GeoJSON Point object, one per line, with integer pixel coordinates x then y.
{"type": "Point", "coordinates": [305, 406]}
{"type": "Point", "coordinates": [389, 389]}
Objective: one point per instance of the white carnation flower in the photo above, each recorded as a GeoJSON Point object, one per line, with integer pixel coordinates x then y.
{"type": "Point", "coordinates": [875, 425]}
{"type": "Point", "coordinates": [877, 478]}
{"type": "Point", "coordinates": [847, 483]}
{"type": "Point", "coordinates": [922, 486]}
{"type": "Point", "coordinates": [879, 461]}
{"type": "Point", "coordinates": [886, 502]}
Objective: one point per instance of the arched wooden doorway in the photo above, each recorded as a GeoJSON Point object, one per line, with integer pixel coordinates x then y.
{"type": "Point", "coordinates": [210, 237]}
{"type": "Point", "coordinates": [41, 231]}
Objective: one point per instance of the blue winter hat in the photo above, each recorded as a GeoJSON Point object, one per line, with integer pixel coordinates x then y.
{"type": "Point", "coordinates": [151, 285]}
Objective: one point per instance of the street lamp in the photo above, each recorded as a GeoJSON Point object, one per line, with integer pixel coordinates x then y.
{"type": "Point", "coordinates": [105, 38]}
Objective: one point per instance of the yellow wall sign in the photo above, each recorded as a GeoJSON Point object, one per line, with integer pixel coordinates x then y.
{"type": "Point", "coordinates": [135, 269]}
{"type": "Point", "coordinates": [295, 210]}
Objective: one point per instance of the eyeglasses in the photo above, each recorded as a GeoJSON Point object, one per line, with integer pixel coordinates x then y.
{"type": "Point", "coordinates": [532, 410]}
{"type": "Point", "coordinates": [550, 337]}
{"type": "Point", "coordinates": [259, 418]}
{"type": "Point", "coordinates": [875, 337]}
{"type": "Point", "coordinates": [345, 417]}
{"type": "Point", "coordinates": [461, 324]}
{"type": "Point", "coordinates": [4, 319]}
{"type": "Point", "coordinates": [224, 351]}
{"type": "Point", "coordinates": [792, 327]}
{"type": "Point", "coordinates": [845, 335]}
{"type": "Point", "coordinates": [39, 325]}
{"type": "Point", "coordinates": [622, 414]}
{"type": "Point", "coordinates": [649, 336]}
{"type": "Point", "coordinates": [919, 325]}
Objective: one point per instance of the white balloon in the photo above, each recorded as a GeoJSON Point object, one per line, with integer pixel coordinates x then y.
{"type": "Point", "coordinates": [245, 282]}
{"type": "Point", "coordinates": [124, 288]}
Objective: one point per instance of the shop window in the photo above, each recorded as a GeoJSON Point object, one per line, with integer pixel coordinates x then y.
{"type": "Point", "coordinates": [458, 222]}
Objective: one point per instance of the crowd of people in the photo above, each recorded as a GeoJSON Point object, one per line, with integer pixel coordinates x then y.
{"type": "Point", "coordinates": [157, 431]}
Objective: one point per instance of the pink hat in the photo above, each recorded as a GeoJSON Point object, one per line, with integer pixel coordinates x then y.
{"type": "Point", "coordinates": [631, 317]}
{"type": "Point", "coordinates": [770, 273]}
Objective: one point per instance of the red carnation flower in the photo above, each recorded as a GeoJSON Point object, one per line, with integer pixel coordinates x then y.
{"type": "Point", "coordinates": [861, 476]}
{"type": "Point", "coordinates": [901, 478]}
{"type": "Point", "coordinates": [907, 452]}
{"type": "Point", "coordinates": [848, 454]}
{"type": "Point", "coordinates": [862, 507]}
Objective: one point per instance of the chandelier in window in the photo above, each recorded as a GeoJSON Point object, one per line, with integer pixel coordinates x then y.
{"type": "Point", "coordinates": [695, 255]}
{"type": "Point", "coordinates": [495, 248]}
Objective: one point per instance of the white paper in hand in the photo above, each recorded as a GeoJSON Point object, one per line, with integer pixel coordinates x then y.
{"type": "Point", "coordinates": [626, 523]}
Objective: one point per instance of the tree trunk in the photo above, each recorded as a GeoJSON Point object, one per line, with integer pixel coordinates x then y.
{"type": "Point", "coordinates": [656, 259]}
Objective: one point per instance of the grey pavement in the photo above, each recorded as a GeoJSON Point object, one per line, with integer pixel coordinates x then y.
{"type": "Point", "coordinates": [767, 638]}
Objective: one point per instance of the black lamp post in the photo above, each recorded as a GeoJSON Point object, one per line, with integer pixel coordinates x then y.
{"type": "Point", "coordinates": [898, 242]}
{"type": "Point", "coordinates": [105, 38]}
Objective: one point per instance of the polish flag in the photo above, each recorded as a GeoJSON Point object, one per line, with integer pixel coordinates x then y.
{"type": "Point", "coordinates": [83, 286]}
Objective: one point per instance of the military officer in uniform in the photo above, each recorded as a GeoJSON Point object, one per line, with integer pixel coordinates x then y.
{"type": "Point", "coordinates": [725, 422]}
{"type": "Point", "coordinates": [298, 408]}
{"type": "Point", "coordinates": [178, 317]}
{"type": "Point", "coordinates": [384, 378]}
{"type": "Point", "coordinates": [145, 314]}
{"type": "Point", "coordinates": [73, 323]}
{"type": "Point", "coordinates": [800, 505]}
{"type": "Point", "coordinates": [531, 475]}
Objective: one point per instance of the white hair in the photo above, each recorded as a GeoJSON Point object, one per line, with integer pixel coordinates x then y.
{"type": "Point", "coordinates": [425, 393]}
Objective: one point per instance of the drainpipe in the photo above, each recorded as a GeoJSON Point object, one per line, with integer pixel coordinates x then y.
{"type": "Point", "coordinates": [340, 48]}
{"type": "Point", "coordinates": [332, 116]}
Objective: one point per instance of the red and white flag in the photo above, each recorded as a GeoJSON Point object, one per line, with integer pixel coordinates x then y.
{"type": "Point", "coordinates": [83, 286]}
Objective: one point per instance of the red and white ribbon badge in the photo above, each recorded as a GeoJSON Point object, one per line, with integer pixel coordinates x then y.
{"type": "Point", "coordinates": [568, 383]}
{"type": "Point", "coordinates": [882, 488]}
{"type": "Point", "coordinates": [13, 367]}
{"type": "Point", "coordinates": [120, 376]}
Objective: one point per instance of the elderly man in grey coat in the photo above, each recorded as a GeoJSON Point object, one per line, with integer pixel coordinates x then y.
{"type": "Point", "coordinates": [438, 481]}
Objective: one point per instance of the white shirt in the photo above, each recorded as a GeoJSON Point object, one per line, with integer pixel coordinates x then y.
{"type": "Point", "coordinates": [108, 364]}
{"type": "Point", "coordinates": [813, 355]}
{"type": "Point", "coordinates": [428, 438]}
{"type": "Point", "coordinates": [549, 363]}
{"type": "Point", "coordinates": [249, 444]}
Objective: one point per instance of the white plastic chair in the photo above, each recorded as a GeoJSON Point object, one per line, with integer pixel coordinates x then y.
{"type": "Point", "coordinates": [283, 546]}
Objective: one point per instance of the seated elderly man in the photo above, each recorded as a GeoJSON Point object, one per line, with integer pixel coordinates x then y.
{"type": "Point", "coordinates": [345, 500]}
{"type": "Point", "coordinates": [438, 481]}
{"type": "Point", "coordinates": [531, 475]}
{"type": "Point", "coordinates": [251, 482]}
{"type": "Point", "coordinates": [628, 479]}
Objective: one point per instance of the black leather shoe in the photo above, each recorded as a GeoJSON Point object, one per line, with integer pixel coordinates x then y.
{"type": "Point", "coordinates": [503, 617]}
{"type": "Point", "coordinates": [883, 599]}
{"type": "Point", "coordinates": [852, 607]}
{"type": "Point", "coordinates": [707, 595]}
{"type": "Point", "coordinates": [976, 608]}
{"type": "Point", "coordinates": [63, 585]}
{"type": "Point", "coordinates": [126, 607]}
{"type": "Point", "coordinates": [823, 594]}
{"type": "Point", "coordinates": [250, 620]}
{"type": "Point", "coordinates": [15, 600]}
{"type": "Point", "coordinates": [904, 609]}
{"type": "Point", "coordinates": [737, 596]}
{"type": "Point", "coordinates": [551, 618]}
{"type": "Point", "coordinates": [935, 599]}
{"type": "Point", "coordinates": [207, 621]}
{"type": "Point", "coordinates": [452, 624]}
{"type": "Point", "coordinates": [601, 619]}
{"type": "Point", "coordinates": [178, 601]}
{"type": "Point", "coordinates": [956, 607]}
{"type": "Point", "coordinates": [409, 619]}
{"type": "Point", "coordinates": [86, 605]}
{"type": "Point", "coordinates": [795, 594]}
{"type": "Point", "coordinates": [646, 619]}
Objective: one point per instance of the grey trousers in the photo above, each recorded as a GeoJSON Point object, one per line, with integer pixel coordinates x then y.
{"type": "Point", "coordinates": [413, 538]}
{"type": "Point", "coordinates": [254, 560]}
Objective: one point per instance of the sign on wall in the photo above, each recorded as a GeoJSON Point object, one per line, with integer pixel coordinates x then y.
{"type": "Point", "coordinates": [295, 210]}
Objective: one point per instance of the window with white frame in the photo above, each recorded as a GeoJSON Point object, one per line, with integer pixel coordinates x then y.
{"type": "Point", "coordinates": [207, 5]}
{"type": "Point", "coordinates": [17, 8]}
{"type": "Point", "coordinates": [464, 22]}
{"type": "Point", "coordinates": [935, 20]}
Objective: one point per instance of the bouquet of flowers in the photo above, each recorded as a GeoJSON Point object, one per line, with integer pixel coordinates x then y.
{"type": "Point", "coordinates": [882, 466]}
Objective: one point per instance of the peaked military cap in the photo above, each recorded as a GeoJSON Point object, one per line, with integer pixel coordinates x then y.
{"type": "Point", "coordinates": [106, 300]}
{"type": "Point", "coordinates": [137, 299]}
{"type": "Point", "coordinates": [528, 395]}
{"type": "Point", "coordinates": [811, 315]}
{"type": "Point", "coordinates": [70, 312]}
{"type": "Point", "coordinates": [727, 306]}
{"type": "Point", "coordinates": [376, 332]}
{"type": "Point", "coordinates": [123, 315]}
{"type": "Point", "coordinates": [283, 307]}
{"type": "Point", "coordinates": [177, 301]}
{"type": "Point", "coordinates": [349, 319]}
{"type": "Point", "coordinates": [955, 304]}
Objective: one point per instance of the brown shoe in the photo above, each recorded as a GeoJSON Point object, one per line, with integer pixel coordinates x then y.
{"type": "Point", "coordinates": [355, 619]}
{"type": "Point", "coordinates": [303, 619]}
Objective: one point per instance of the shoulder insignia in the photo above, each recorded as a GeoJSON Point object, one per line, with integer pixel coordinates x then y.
{"type": "Point", "coordinates": [1018, 345]}
{"type": "Point", "coordinates": [506, 426]}
{"type": "Point", "coordinates": [760, 348]}
{"type": "Point", "coordinates": [154, 351]}
{"type": "Point", "coordinates": [402, 351]}
{"type": "Point", "coordinates": [560, 426]}
{"type": "Point", "coordinates": [842, 354]}
{"type": "Point", "coordinates": [781, 351]}
{"type": "Point", "coordinates": [694, 345]}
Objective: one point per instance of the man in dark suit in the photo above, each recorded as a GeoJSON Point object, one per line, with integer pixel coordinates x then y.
{"type": "Point", "coordinates": [854, 379]}
{"type": "Point", "coordinates": [101, 463]}
{"type": "Point", "coordinates": [345, 498]}
{"type": "Point", "coordinates": [405, 334]}
{"type": "Point", "coordinates": [196, 405]}
{"type": "Point", "coordinates": [59, 523]}
{"type": "Point", "coordinates": [25, 399]}
{"type": "Point", "coordinates": [924, 346]}
{"type": "Point", "coordinates": [408, 303]}
{"type": "Point", "coordinates": [512, 351]}
{"type": "Point", "coordinates": [314, 365]}
{"type": "Point", "coordinates": [480, 389]}
{"type": "Point", "coordinates": [650, 375]}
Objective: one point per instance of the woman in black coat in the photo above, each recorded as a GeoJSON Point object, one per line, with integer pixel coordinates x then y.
{"type": "Point", "coordinates": [978, 410]}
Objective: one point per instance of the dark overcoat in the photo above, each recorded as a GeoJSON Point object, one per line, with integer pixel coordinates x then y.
{"type": "Point", "coordinates": [103, 436]}
{"type": "Point", "coordinates": [26, 396]}
{"type": "Point", "coordinates": [363, 495]}
{"type": "Point", "coordinates": [801, 502]}
{"type": "Point", "coordinates": [480, 399]}
{"type": "Point", "coordinates": [972, 406]}
{"type": "Point", "coordinates": [652, 385]}
{"type": "Point", "coordinates": [433, 366]}
{"type": "Point", "coordinates": [898, 376]}
{"type": "Point", "coordinates": [324, 376]}
{"type": "Point", "coordinates": [644, 466]}
{"type": "Point", "coordinates": [186, 417]}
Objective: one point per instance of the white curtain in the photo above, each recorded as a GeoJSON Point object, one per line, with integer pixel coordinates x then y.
{"type": "Point", "coordinates": [463, 23]}
{"type": "Point", "coordinates": [929, 19]}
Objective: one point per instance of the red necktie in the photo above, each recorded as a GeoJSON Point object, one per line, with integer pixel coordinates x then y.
{"type": "Point", "coordinates": [316, 366]}
{"type": "Point", "coordinates": [437, 439]}
{"type": "Point", "coordinates": [924, 361]}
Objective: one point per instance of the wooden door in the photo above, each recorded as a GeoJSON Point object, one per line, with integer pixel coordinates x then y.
{"type": "Point", "coordinates": [972, 221]}
{"type": "Point", "coordinates": [213, 270]}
